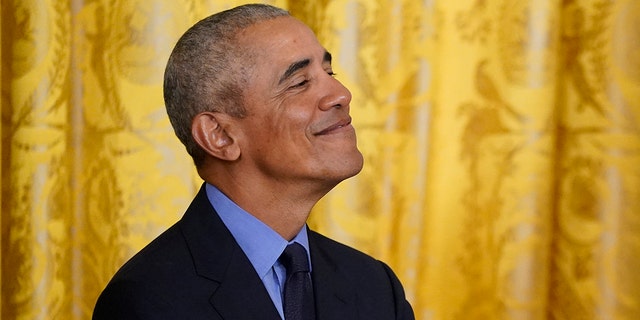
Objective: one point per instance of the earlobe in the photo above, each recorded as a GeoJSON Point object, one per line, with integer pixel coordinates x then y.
{"type": "Point", "coordinates": [210, 131]}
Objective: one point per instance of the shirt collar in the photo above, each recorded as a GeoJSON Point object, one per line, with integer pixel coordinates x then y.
{"type": "Point", "coordinates": [260, 243]}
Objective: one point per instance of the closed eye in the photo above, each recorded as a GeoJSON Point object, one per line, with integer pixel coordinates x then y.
{"type": "Point", "coordinates": [300, 84]}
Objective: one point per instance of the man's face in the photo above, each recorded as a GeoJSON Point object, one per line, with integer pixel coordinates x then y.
{"type": "Point", "coordinates": [298, 127]}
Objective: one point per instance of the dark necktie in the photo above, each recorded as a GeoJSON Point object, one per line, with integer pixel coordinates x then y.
{"type": "Point", "coordinates": [298, 294]}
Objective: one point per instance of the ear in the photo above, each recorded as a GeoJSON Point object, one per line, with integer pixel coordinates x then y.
{"type": "Point", "coordinates": [209, 130]}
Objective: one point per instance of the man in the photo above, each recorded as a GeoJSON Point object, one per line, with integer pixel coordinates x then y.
{"type": "Point", "coordinates": [251, 94]}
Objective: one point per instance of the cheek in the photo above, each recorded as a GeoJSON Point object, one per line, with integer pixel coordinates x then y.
{"type": "Point", "coordinates": [294, 125]}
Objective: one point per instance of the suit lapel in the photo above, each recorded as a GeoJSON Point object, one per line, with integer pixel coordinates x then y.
{"type": "Point", "coordinates": [333, 292]}
{"type": "Point", "coordinates": [239, 293]}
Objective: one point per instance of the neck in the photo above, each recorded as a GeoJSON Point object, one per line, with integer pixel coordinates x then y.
{"type": "Point", "coordinates": [284, 207]}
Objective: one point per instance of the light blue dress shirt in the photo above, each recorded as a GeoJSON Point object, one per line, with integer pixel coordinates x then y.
{"type": "Point", "coordinates": [262, 245]}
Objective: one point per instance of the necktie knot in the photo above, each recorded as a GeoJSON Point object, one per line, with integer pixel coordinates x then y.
{"type": "Point", "coordinates": [294, 258]}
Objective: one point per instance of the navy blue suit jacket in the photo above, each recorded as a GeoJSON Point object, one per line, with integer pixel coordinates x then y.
{"type": "Point", "coordinates": [196, 270]}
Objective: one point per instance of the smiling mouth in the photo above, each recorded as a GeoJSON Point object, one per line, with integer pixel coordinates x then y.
{"type": "Point", "coordinates": [339, 125]}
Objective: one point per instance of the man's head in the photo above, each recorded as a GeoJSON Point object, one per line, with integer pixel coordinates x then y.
{"type": "Point", "coordinates": [204, 70]}
{"type": "Point", "coordinates": [272, 108]}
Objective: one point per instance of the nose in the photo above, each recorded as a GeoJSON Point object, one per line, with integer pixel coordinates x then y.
{"type": "Point", "coordinates": [336, 95]}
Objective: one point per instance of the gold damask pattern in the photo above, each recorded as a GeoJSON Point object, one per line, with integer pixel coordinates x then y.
{"type": "Point", "coordinates": [36, 171]}
{"type": "Point", "coordinates": [595, 253]}
{"type": "Point", "coordinates": [501, 142]}
{"type": "Point", "coordinates": [506, 143]}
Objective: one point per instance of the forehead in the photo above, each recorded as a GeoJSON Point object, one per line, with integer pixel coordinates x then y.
{"type": "Point", "coordinates": [279, 41]}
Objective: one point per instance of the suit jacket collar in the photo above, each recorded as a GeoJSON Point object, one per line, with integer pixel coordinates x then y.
{"type": "Point", "coordinates": [334, 293]}
{"type": "Point", "coordinates": [238, 292]}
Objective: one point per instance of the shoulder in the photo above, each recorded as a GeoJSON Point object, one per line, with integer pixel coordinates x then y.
{"type": "Point", "coordinates": [170, 255]}
{"type": "Point", "coordinates": [339, 252]}
{"type": "Point", "coordinates": [162, 254]}
{"type": "Point", "coordinates": [375, 286]}
{"type": "Point", "coordinates": [348, 260]}
{"type": "Point", "coordinates": [156, 282]}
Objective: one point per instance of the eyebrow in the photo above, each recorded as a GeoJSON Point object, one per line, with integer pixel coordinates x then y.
{"type": "Point", "coordinates": [300, 65]}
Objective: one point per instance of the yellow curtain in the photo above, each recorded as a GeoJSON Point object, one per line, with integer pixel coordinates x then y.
{"type": "Point", "coordinates": [501, 142]}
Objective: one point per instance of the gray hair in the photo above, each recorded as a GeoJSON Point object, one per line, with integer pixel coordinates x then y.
{"type": "Point", "coordinates": [202, 71]}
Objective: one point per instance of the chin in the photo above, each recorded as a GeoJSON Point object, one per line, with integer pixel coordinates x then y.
{"type": "Point", "coordinates": [338, 168]}
{"type": "Point", "coordinates": [352, 165]}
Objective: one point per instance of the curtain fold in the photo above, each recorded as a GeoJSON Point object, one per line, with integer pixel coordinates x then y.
{"type": "Point", "coordinates": [501, 143]}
